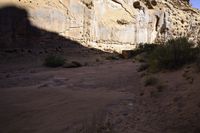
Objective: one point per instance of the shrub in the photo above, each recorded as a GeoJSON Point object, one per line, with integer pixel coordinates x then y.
{"type": "Point", "coordinates": [160, 87]}
{"type": "Point", "coordinates": [112, 57]}
{"type": "Point", "coordinates": [142, 51]}
{"type": "Point", "coordinates": [145, 48]}
{"type": "Point", "coordinates": [143, 67]}
{"type": "Point", "coordinates": [149, 81]}
{"type": "Point", "coordinates": [174, 54]}
{"type": "Point", "coordinates": [54, 61]}
{"type": "Point", "coordinates": [141, 57]}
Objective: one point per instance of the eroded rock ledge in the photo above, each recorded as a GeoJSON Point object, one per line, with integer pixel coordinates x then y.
{"type": "Point", "coordinates": [109, 25]}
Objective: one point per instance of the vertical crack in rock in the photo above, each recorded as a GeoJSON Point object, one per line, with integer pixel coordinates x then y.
{"type": "Point", "coordinates": [157, 23]}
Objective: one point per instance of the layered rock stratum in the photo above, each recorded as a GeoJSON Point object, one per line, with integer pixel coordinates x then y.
{"type": "Point", "coordinates": [109, 25]}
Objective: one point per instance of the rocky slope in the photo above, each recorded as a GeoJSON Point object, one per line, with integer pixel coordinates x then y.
{"type": "Point", "coordinates": [110, 25]}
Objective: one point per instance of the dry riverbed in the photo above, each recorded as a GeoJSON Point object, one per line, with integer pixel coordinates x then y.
{"type": "Point", "coordinates": [107, 96]}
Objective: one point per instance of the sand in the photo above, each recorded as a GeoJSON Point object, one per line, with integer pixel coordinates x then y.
{"type": "Point", "coordinates": [108, 93]}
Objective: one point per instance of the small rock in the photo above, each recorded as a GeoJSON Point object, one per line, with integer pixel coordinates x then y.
{"type": "Point", "coordinates": [191, 80]}
{"type": "Point", "coordinates": [97, 60]}
{"type": "Point", "coordinates": [86, 64]}
{"type": "Point", "coordinates": [130, 104]}
{"type": "Point", "coordinates": [125, 113]}
{"type": "Point", "coordinates": [72, 64]}
{"type": "Point", "coordinates": [141, 94]}
{"type": "Point", "coordinates": [8, 76]}
{"type": "Point", "coordinates": [43, 86]}
{"type": "Point", "coordinates": [127, 54]}
{"type": "Point", "coordinates": [77, 63]}
{"type": "Point", "coordinates": [32, 71]}
{"type": "Point", "coordinates": [58, 82]}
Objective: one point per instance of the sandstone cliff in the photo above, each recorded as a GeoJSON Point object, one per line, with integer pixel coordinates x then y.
{"type": "Point", "coordinates": [110, 25]}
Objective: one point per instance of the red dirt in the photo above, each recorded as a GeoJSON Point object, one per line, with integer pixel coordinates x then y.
{"type": "Point", "coordinates": [61, 100]}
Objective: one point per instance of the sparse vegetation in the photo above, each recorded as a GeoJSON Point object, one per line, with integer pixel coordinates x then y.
{"type": "Point", "coordinates": [143, 67]}
{"type": "Point", "coordinates": [150, 81]}
{"type": "Point", "coordinates": [112, 57]}
{"type": "Point", "coordinates": [160, 87]}
{"type": "Point", "coordinates": [97, 60]}
{"type": "Point", "coordinates": [141, 57]}
{"type": "Point", "coordinates": [98, 124]}
{"type": "Point", "coordinates": [54, 61]}
{"type": "Point", "coordinates": [172, 55]}
{"type": "Point", "coordinates": [145, 48]}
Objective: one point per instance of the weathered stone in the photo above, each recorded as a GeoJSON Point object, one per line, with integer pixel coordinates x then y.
{"type": "Point", "coordinates": [109, 25]}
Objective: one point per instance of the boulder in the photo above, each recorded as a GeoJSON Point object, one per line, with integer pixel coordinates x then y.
{"type": "Point", "coordinates": [73, 64]}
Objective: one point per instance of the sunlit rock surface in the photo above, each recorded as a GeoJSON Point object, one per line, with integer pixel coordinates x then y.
{"type": "Point", "coordinates": [112, 25]}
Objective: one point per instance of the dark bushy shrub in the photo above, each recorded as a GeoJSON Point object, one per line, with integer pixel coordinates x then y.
{"type": "Point", "coordinates": [54, 61]}
{"type": "Point", "coordinates": [174, 54]}
{"type": "Point", "coordinates": [141, 53]}
{"type": "Point", "coordinates": [147, 48]}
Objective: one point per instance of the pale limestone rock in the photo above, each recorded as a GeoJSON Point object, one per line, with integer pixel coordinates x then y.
{"type": "Point", "coordinates": [113, 25]}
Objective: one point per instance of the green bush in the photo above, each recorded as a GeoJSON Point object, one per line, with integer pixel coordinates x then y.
{"type": "Point", "coordinates": [54, 61]}
{"type": "Point", "coordinates": [174, 54]}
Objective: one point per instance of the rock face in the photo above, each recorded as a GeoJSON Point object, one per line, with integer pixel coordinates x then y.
{"type": "Point", "coordinates": [109, 25]}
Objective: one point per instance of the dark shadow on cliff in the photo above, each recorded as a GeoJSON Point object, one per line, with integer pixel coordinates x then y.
{"type": "Point", "coordinates": [16, 31]}
{"type": "Point", "coordinates": [18, 35]}
{"type": "Point", "coordinates": [21, 41]}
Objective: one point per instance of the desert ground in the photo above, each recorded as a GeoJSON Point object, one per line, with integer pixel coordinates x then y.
{"type": "Point", "coordinates": [102, 96]}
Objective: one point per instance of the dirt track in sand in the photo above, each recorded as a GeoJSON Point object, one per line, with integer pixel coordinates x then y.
{"type": "Point", "coordinates": [60, 100]}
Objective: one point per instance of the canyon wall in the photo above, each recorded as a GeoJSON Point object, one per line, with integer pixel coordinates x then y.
{"type": "Point", "coordinates": [109, 25]}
